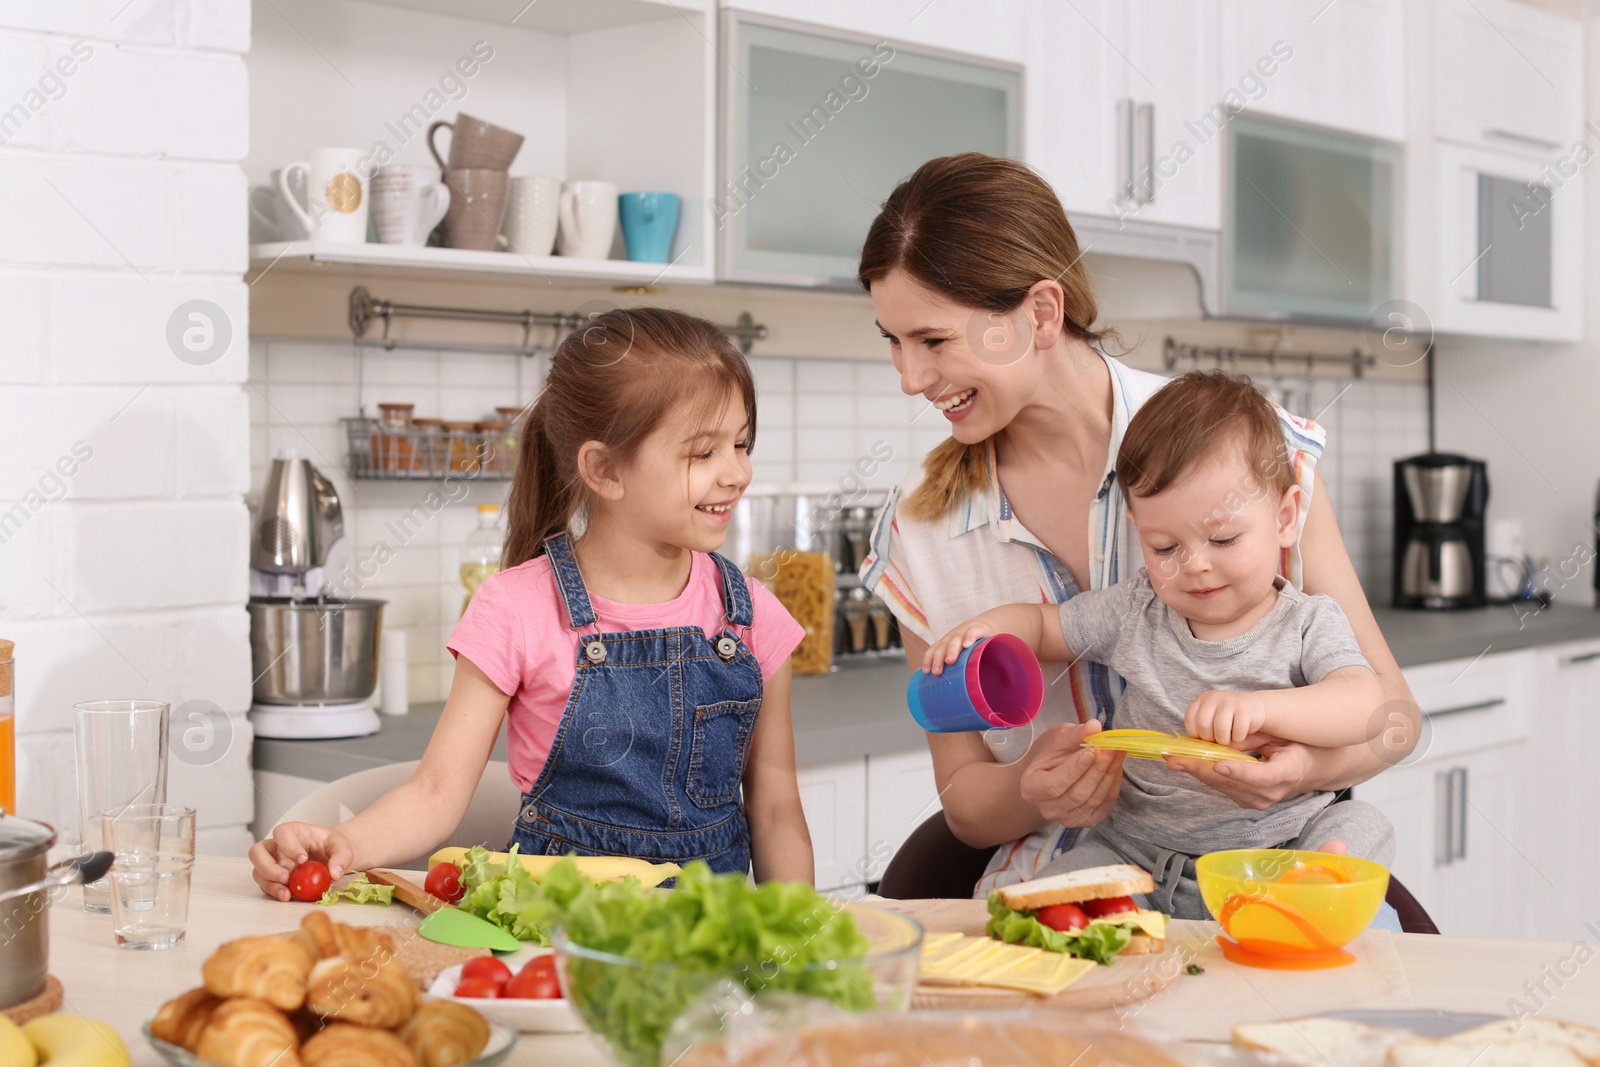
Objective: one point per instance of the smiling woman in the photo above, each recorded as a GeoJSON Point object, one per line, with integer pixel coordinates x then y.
{"type": "Point", "coordinates": [980, 289]}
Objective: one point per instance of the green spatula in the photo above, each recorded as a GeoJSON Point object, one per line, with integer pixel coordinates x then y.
{"type": "Point", "coordinates": [452, 926]}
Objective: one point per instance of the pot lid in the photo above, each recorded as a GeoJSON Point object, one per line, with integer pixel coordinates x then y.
{"type": "Point", "coordinates": [19, 836]}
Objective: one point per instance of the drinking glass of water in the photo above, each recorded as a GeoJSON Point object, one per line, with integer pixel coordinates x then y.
{"type": "Point", "coordinates": [154, 847]}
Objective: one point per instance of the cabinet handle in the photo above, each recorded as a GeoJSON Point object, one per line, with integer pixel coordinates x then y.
{"type": "Point", "coordinates": [1512, 135]}
{"type": "Point", "coordinates": [1581, 657]}
{"type": "Point", "coordinates": [1458, 783]}
{"type": "Point", "coordinates": [1144, 139]}
{"type": "Point", "coordinates": [1443, 817]}
{"type": "Point", "coordinates": [1482, 705]}
{"type": "Point", "coordinates": [1125, 168]}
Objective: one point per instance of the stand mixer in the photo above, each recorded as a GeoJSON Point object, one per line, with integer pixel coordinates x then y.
{"type": "Point", "coordinates": [314, 655]}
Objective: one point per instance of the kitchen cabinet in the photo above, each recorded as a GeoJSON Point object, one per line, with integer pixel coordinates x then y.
{"type": "Point", "coordinates": [1509, 246]}
{"type": "Point", "coordinates": [834, 796]}
{"type": "Point", "coordinates": [975, 27]}
{"type": "Point", "coordinates": [1345, 67]}
{"type": "Point", "coordinates": [1564, 793]}
{"type": "Point", "coordinates": [1507, 76]}
{"type": "Point", "coordinates": [1457, 802]}
{"type": "Point", "coordinates": [901, 793]}
{"type": "Point", "coordinates": [1123, 111]}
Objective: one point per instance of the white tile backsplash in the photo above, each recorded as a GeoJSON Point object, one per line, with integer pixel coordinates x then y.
{"type": "Point", "coordinates": [818, 420]}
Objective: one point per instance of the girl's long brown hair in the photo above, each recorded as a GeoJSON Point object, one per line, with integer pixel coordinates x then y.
{"type": "Point", "coordinates": [981, 231]}
{"type": "Point", "coordinates": [613, 381]}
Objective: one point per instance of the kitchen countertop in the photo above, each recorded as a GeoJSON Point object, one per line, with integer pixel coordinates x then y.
{"type": "Point", "coordinates": [859, 710]}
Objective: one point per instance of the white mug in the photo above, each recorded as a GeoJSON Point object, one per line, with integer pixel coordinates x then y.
{"type": "Point", "coordinates": [271, 212]}
{"type": "Point", "coordinates": [337, 194]}
{"type": "Point", "coordinates": [408, 201]}
{"type": "Point", "coordinates": [588, 219]}
{"type": "Point", "coordinates": [532, 215]}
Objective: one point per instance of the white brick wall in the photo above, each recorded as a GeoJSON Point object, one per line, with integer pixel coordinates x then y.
{"type": "Point", "coordinates": [123, 530]}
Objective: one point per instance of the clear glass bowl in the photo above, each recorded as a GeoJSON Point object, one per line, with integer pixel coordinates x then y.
{"type": "Point", "coordinates": [629, 1006]}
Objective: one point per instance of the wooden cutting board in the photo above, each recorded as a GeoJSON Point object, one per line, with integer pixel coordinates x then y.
{"type": "Point", "coordinates": [1128, 980]}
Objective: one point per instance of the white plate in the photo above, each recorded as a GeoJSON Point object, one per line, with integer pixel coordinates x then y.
{"type": "Point", "coordinates": [529, 1016]}
{"type": "Point", "coordinates": [502, 1037]}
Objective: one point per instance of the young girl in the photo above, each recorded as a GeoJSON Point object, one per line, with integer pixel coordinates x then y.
{"type": "Point", "coordinates": [642, 679]}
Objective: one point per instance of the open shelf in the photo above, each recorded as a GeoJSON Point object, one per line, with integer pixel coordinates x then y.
{"type": "Point", "coordinates": [411, 261]}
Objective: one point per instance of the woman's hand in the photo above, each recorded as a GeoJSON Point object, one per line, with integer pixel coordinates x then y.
{"type": "Point", "coordinates": [293, 843]}
{"type": "Point", "coordinates": [1283, 767]}
{"type": "Point", "coordinates": [948, 648]}
{"type": "Point", "coordinates": [1068, 783]}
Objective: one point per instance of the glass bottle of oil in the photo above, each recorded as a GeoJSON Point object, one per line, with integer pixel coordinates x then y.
{"type": "Point", "coordinates": [480, 553]}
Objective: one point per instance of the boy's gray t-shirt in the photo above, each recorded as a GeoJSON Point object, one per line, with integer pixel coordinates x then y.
{"type": "Point", "coordinates": [1128, 628]}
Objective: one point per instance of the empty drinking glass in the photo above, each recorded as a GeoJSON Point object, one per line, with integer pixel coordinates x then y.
{"type": "Point", "coordinates": [154, 846]}
{"type": "Point", "coordinates": [122, 760]}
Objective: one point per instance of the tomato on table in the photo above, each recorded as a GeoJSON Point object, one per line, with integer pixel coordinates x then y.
{"type": "Point", "coordinates": [536, 981]}
{"type": "Point", "coordinates": [487, 967]}
{"type": "Point", "coordinates": [1063, 917]}
{"type": "Point", "coordinates": [478, 989]}
{"type": "Point", "coordinates": [1097, 909]}
{"type": "Point", "coordinates": [309, 880]}
{"type": "Point", "coordinates": [444, 882]}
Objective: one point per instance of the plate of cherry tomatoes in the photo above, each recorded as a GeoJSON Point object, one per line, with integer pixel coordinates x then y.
{"type": "Point", "coordinates": [524, 989]}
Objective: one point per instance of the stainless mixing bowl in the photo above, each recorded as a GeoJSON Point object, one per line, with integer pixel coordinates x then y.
{"type": "Point", "coordinates": [314, 652]}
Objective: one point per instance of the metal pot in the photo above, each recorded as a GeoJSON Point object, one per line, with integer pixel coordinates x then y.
{"type": "Point", "coordinates": [314, 652]}
{"type": "Point", "coordinates": [24, 921]}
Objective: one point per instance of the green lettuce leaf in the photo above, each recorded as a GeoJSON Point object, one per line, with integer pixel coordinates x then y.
{"type": "Point", "coordinates": [1098, 941]}
{"type": "Point", "coordinates": [358, 891]}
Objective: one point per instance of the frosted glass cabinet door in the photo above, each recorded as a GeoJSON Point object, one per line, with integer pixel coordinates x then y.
{"type": "Point", "coordinates": [819, 128]}
{"type": "Point", "coordinates": [1313, 223]}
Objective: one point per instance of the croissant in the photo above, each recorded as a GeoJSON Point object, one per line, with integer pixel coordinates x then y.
{"type": "Point", "coordinates": [246, 1032]}
{"type": "Point", "coordinates": [443, 1033]}
{"type": "Point", "coordinates": [374, 991]}
{"type": "Point", "coordinates": [180, 1020]}
{"type": "Point", "coordinates": [272, 969]}
{"type": "Point", "coordinates": [324, 938]}
{"type": "Point", "coordinates": [343, 1045]}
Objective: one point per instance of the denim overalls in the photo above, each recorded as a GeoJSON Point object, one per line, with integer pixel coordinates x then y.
{"type": "Point", "coordinates": [650, 753]}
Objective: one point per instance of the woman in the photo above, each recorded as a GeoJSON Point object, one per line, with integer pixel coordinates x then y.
{"type": "Point", "coordinates": [979, 287]}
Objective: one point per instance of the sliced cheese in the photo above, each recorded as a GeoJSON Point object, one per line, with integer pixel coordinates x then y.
{"type": "Point", "coordinates": [932, 941]}
{"type": "Point", "coordinates": [1046, 976]}
{"type": "Point", "coordinates": [939, 960]}
{"type": "Point", "coordinates": [981, 961]}
{"type": "Point", "coordinates": [1153, 923]}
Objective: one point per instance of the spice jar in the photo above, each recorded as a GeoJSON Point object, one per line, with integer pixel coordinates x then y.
{"type": "Point", "coordinates": [492, 445]}
{"type": "Point", "coordinates": [431, 454]}
{"type": "Point", "coordinates": [858, 618]}
{"type": "Point", "coordinates": [462, 446]}
{"type": "Point", "coordinates": [512, 417]}
{"type": "Point", "coordinates": [391, 445]}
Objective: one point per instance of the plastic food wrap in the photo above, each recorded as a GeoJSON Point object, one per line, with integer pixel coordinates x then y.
{"type": "Point", "coordinates": [803, 583]}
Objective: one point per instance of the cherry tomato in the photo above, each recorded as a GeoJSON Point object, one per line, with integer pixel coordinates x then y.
{"type": "Point", "coordinates": [309, 880]}
{"type": "Point", "coordinates": [487, 967]}
{"type": "Point", "coordinates": [1110, 906]}
{"type": "Point", "coordinates": [1063, 917]}
{"type": "Point", "coordinates": [444, 882]}
{"type": "Point", "coordinates": [478, 988]}
{"type": "Point", "coordinates": [536, 981]}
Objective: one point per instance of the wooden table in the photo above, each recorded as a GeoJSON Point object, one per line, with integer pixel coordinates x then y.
{"type": "Point", "coordinates": [125, 987]}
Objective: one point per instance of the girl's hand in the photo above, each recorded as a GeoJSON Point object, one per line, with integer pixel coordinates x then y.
{"type": "Point", "coordinates": [1224, 718]}
{"type": "Point", "coordinates": [948, 648]}
{"type": "Point", "coordinates": [1284, 765]}
{"type": "Point", "coordinates": [1070, 784]}
{"type": "Point", "coordinates": [293, 843]}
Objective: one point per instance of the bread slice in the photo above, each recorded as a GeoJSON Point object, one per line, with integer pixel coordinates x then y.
{"type": "Point", "coordinates": [1143, 945]}
{"type": "Point", "coordinates": [1584, 1040]}
{"type": "Point", "coordinates": [1091, 883]}
{"type": "Point", "coordinates": [1451, 1052]}
{"type": "Point", "coordinates": [1325, 1042]}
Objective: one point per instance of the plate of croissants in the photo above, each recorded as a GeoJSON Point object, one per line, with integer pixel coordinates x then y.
{"type": "Point", "coordinates": [327, 995]}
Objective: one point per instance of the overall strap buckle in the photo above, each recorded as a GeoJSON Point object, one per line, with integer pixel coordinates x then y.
{"type": "Point", "coordinates": [594, 650]}
{"type": "Point", "coordinates": [727, 647]}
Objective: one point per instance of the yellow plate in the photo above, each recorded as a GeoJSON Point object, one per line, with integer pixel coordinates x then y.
{"type": "Point", "coordinates": [1153, 744]}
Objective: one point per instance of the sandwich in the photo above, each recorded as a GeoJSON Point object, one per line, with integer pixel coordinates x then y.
{"type": "Point", "coordinates": [1089, 914]}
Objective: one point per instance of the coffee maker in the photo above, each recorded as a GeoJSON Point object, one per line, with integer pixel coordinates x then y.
{"type": "Point", "coordinates": [1440, 502]}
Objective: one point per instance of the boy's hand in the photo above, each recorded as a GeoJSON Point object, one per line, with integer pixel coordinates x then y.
{"type": "Point", "coordinates": [1225, 718]}
{"type": "Point", "coordinates": [948, 648]}
{"type": "Point", "coordinates": [293, 843]}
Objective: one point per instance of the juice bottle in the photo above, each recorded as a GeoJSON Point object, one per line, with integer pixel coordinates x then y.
{"type": "Point", "coordinates": [8, 730]}
{"type": "Point", "coordinates": [480, 554]}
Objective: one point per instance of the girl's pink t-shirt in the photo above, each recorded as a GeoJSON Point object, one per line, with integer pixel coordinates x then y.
{"type": "Point", "coordinates": [515, 630]}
